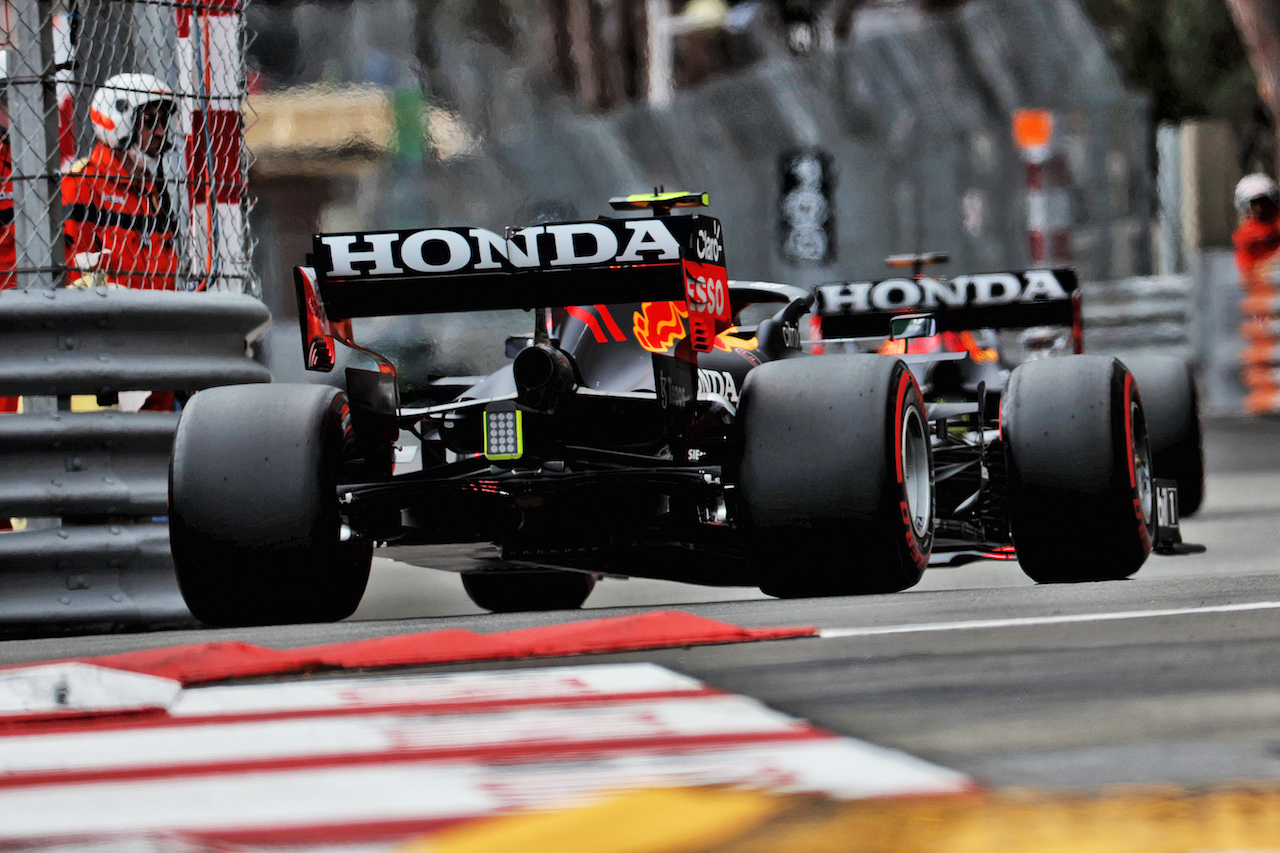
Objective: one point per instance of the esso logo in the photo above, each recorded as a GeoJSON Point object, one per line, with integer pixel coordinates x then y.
{"type": "Point", "coordinates": [714, 294]}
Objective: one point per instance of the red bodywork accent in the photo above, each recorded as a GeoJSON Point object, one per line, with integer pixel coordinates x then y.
{"type": "Point", "coordinates": [589, 320]}
{"type": "Point", "coordinates": [586, 318]}
{"type": "Point", "coordinates": [607, 318]}
{"type": "Point", "coordinates": [706, 291]}
{"type": "Point", "coordinates": [815, 333]}
{"type": "Point", "coordinates": [962, 341]}
{"type": "Point", "coordinates": [318, 331]}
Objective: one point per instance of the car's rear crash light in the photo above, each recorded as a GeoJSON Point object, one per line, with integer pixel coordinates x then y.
{"type": "Point", "coordinates": [503, 431]}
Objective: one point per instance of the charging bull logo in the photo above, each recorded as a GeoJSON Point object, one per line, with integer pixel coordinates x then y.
{"type": "Point", "coordinates": [658, 325]}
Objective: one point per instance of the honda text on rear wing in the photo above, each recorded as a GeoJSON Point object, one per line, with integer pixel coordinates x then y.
{"type": "Point", "coordinates": [1000, 300]}
{"type": "Point", "coordinates": [439, 270]}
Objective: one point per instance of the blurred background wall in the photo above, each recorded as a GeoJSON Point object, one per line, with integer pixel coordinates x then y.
{"type": "Point", "coordinates": [829, 135]}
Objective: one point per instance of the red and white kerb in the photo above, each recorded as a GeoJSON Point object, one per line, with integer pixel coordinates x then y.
{"type": "Point", "coordinates": [375, 760]}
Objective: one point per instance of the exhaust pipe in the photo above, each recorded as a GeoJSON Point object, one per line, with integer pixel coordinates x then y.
{"type": "Point", "coordinates": [543, 375]}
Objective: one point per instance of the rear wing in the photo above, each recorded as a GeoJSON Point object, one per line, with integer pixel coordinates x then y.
{"type": "Point", "coordinates": [1003, 300]}
{"type": "Point", "coordinates": [441, 270]}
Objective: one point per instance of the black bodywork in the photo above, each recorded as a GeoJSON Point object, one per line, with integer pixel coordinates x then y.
{"type": "Point", "coordinates": [962, 392]}
{"type": "Point", "coordinates": [610, 481]}
{"type": "Point", "coordinates": [627, 463]}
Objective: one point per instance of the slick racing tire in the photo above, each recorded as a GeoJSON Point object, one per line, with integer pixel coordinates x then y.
{"type": "Point", "coordinates": [515, 591]}
{"type": "Point", "coordinates": [1081, 496]}
{"type": "Point", "coordinates": [254, 526]}
{"type": "Point", "coordinates": [836, 476]}
{"type": "Point", "coordinates": [1172, 407]}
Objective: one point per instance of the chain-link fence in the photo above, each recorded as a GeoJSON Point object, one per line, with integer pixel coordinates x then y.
{"type": "Point", "coordinates": [123, 145]}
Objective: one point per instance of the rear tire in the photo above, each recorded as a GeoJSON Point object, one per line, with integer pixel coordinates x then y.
{"type": "Point", "coordinates": [253, 507]}
{"type": "Point", "coordinates": [1172, 407]}
{"type": "Point", "coordinates": [516, 591]}
{"type": "Point", "coordinates": [836, 478]}
{"type": "Point", "coordinates": [1081, 497]}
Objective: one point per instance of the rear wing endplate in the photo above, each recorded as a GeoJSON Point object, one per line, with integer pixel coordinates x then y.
{"type": "Point", "coordinates": [1004, 300]}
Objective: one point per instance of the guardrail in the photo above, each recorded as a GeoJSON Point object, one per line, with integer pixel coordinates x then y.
{"type": "Point", "coordinates": [94, 484]}
{"type": "Point", "coordinates": [1153, 315]}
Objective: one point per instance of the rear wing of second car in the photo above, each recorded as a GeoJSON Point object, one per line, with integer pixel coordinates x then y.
{"type": "Point", "coordinates": [1002, 300]}
{"type": "Point", "coordinates": [441, 270]}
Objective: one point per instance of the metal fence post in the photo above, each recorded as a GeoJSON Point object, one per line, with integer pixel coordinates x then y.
{"type": "Point", "coordinates": [1169, 198]}
{"type": "Point", "coordinates": [33, 113]}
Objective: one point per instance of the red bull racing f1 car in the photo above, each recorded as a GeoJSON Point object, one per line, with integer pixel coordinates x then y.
{"type": "Point", "coordinates": [660, 421]}
{"type": "Point", "coordinates": [1046, 461]}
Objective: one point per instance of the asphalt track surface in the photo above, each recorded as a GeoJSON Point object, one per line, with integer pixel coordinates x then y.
{"type": "Point", "coordinates": [1170, 677]}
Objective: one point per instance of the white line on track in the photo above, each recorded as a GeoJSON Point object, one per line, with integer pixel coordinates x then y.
{"type": "Point", "coordinates": [1030, 621]}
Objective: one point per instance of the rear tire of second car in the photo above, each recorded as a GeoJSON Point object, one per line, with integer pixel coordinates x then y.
{"type": "Point", "coordinates": [1081, 494]}
{"type": "Point", "coordinates": [1172, 408]}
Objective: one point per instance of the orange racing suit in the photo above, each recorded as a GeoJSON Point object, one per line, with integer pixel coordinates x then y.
{"type": "Point", "coordinates": [118, 223]}
{"type": "Point", "coordinates": [119, 227]}
{"type": "Point", "coordinates": [1256, 242]}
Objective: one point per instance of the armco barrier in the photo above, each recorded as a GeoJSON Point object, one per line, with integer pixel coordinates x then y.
{"type": "Point", "coordinates": [94, 484]}
{"type": "Point", "coordinates": [1153, 315]}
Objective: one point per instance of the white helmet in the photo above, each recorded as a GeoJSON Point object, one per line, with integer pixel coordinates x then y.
{"type": "Point", "coordinates": [114, 109]}
{"type": "Point", "coordinates": [1255, 186]}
